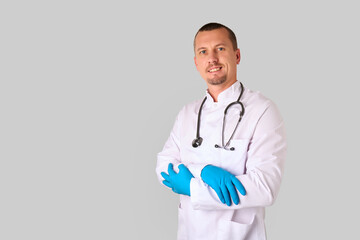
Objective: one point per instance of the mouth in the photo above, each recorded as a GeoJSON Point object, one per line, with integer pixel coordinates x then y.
{"type": "Point", "coordinates": [214, 69]}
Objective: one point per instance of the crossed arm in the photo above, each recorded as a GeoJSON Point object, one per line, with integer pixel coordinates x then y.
{"type": "Point", "coordinates": [264, 169]}
{"type": "Point", "coordinates": [220, 180]}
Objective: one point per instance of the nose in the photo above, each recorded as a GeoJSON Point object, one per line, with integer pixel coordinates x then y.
{"type": "Point", "coordinates": [213, 58]}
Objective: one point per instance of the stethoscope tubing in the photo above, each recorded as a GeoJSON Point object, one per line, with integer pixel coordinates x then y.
{"type": "Point", "coordinates": [198, 140]}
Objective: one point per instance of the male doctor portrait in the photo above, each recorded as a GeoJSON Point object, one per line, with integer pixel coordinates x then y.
{"type": "Point", "coordinates": [225, 154]}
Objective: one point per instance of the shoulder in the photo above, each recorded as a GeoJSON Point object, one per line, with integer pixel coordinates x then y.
{"type": "Point", "coordinates": [251, 97]}
{"type": "Point", "coordinates": [192, 107]}
{"type": "Point", "coordinates": [256, 103]}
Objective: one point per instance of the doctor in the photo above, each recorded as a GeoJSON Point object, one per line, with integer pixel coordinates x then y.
{"type": "Point", "coordinates": [226, 152]}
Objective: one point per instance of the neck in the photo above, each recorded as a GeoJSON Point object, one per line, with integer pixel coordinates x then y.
{"type": "Point", "coordinates": [215, 90]}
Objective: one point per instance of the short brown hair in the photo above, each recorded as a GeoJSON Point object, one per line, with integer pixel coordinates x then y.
{"type": "Point", "coordinates": [213, 26]}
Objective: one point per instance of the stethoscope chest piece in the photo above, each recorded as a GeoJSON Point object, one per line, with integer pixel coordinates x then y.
{"type": "Point", "coordinates": [197, 142]}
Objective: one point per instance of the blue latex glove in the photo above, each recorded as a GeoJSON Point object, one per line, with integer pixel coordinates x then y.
{"type": "Point", "coordinates": [224, 184]}
{"type": "Point", "coordinates": [178, 182]}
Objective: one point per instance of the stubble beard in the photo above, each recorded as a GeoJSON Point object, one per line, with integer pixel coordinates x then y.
{"type": "Point", "coordinates": [216, 81]}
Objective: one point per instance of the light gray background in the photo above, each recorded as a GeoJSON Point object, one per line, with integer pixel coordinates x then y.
{"type": "Point", "coordinates": [89, 92]}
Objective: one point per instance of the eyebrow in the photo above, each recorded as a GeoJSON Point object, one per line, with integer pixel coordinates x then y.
{"type": "Point", "coordinates": [219, 44]}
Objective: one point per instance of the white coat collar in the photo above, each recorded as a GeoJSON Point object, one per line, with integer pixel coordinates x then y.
{"type": "Point", "coordinates": [225, 97]}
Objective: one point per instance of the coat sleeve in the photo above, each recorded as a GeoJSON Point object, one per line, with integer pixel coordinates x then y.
{"type": "Point", "coordinates": [170, 152]}
{"type": "Point", "coordinates": [264, 167]}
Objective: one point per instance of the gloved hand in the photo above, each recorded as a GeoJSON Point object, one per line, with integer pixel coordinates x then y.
{"type": "Point", "coordinates": [178, 182]}
{"type": "Point", "coordinates": [223, 182]}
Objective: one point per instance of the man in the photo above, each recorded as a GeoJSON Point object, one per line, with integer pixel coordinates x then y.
{"type": "Point", "coordinates": [226, 167]}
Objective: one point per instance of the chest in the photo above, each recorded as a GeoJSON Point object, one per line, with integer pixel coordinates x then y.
{"type": "Point", "coordinates": [214, 129]}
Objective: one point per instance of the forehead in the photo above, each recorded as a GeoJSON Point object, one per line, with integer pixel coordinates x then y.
{"type": "Point", "coordinates": [216, 36]}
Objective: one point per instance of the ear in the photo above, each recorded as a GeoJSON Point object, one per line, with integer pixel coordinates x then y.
{"type": "Point", "coordinates": [238, 56]}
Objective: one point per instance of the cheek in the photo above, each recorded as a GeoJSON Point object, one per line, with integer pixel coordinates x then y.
{"type": "Point", "coordinates": [202, 66]}
{"type": "Point", "coordinates": [232, 63]}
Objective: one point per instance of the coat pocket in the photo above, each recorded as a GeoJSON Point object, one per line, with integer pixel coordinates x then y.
{"type": "Point", "coordinates": [234, 161]}
{"type": "Point", "coordinates": [237, 231]}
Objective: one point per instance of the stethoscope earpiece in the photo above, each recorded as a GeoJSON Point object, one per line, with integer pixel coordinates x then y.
{"type": "Point", "coordinates": [231, 149]}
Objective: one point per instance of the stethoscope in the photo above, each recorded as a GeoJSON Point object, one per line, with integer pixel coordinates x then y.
{"type": "Point", "coordinates": [198, 140]}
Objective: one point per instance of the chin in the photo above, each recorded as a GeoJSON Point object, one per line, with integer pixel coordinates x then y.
{"type": "Point", "coordinates": [217, 81]}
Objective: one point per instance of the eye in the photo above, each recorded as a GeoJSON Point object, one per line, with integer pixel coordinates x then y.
{"type": "Point", "coordinates": [202, 52]}
{"type": "Point", "coordinates": [221, 49]}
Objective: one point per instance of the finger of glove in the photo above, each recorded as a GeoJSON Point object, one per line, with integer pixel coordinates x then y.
{"type": "Point", "coordinates": [185, 170]}
{"type": "Point", "coordinates": [168, 184]}
{"type": "Point", "coordinates": [171, 169]}
{"type": "Point", "coordinates": [165, 176]}
{"type": "Point", "coordinates": [182, 167]}
{"type": "Point", "coordinates": [226, 195]}
{"type": "Point", "coordinates": [239, 186]}
{"type": "Point", "coordinates": [220, 195]}
{"type": "Point", "coordinates": [234, 195]}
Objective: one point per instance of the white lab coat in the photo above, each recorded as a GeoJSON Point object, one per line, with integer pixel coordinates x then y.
{"type": "Point", "coordinates": [257, 162]}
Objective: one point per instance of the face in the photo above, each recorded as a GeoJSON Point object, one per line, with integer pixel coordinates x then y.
{"type": "Point", "coordinates": [215, 57]}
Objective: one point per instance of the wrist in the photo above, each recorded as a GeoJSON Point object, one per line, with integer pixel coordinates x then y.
{"type": "Point", "coordinates": [204, 169]}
